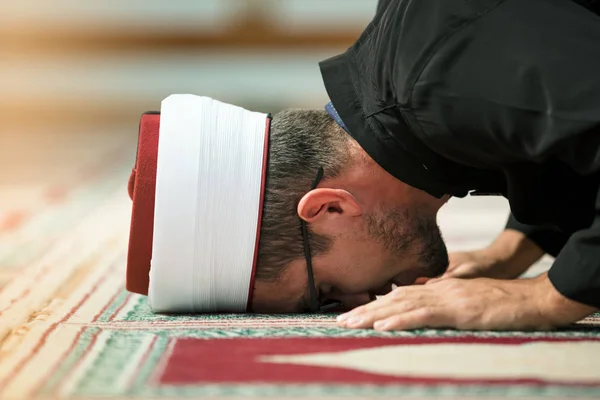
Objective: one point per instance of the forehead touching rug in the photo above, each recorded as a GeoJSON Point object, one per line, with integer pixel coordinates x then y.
{"type": "Point", "coordinates": [68, 329]}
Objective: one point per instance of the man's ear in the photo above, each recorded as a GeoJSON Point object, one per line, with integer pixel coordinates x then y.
{"type": "Point", "coordinates": [321, 204]}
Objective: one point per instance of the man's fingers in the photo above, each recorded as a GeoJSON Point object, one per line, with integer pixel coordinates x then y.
{"type": "Point", "coordinates": [459, 272]}
{"type": "Point", "coordinates": [366, 319]}
{"type": "Point", "coordinates": [382, 301]}
{"type": "Point", "coordinates": [421, 281]}
{"type": "Point", "coordinates": [447, 275]}
{"type": "Point", "coordinates": [416, 319]}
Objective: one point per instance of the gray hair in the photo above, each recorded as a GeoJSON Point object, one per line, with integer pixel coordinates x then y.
{"type": "Point", "coordinates": [301, 142]}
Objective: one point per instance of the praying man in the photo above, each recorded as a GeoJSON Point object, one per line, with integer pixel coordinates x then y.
{"type": "Point", "coordinates": [437, 99]}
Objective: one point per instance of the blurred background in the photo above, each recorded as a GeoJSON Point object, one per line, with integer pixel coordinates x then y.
{"type": "Point", "coordinates": [76, 75]}
{"type": "Point", "coordinates": [73, 61]}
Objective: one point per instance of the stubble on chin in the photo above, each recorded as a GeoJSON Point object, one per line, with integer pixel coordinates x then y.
{"type": "Point", "coordinates": [410, 235]}
{"type": "Point", "coordinates": [433, 256]}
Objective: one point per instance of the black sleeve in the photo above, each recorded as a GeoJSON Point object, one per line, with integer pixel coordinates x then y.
{"type": "Point", "coordinates": [382, 5]}
{"type": "Point", "coordinates": [592, 5]}
{"type": "Point", "coordinates": [549, 239]}
{"type": "Point", "coordinates": [522, 84]}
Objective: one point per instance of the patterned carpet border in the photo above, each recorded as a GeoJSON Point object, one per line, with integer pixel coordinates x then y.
{"type": "Point", "coordinates": [68, 329]}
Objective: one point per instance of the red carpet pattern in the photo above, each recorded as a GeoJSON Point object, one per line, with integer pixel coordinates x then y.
{"type": "Point", "coordinates": [120, 348]}
{"type": "Point", "coordinates": [69, 330]}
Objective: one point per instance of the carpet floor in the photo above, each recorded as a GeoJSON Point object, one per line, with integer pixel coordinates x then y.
{"type": "Point", "coordinates": [68, 329]}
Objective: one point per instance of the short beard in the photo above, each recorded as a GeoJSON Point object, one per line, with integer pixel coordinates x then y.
{"type": "Point", "coordinates": [414, 235]}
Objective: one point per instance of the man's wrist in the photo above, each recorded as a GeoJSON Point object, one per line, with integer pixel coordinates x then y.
{"type": "Point", "coordinates": [513, 252]}
{"type": "Point", "coordinates": [557, 308]}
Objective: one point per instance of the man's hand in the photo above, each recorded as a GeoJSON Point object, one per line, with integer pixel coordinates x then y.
{"type": "Point", "coordinates": [474, 304]}
{"type": "Point", "coordinates": [476, 264]}
{"type": "Point", "coordinates": [509, 256]}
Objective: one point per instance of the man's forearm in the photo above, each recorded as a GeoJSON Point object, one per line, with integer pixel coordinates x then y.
{"type": "Point", "coordinates": [550, 239]}
{"type": "Point", "coordinates": [514, 252]}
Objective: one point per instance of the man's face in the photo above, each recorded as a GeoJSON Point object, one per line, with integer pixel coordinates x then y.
{"type": "Point", "coordinates": [368, 255]}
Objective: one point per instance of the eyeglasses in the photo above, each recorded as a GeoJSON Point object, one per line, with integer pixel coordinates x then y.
{"type": "Point", "coordinates": [314, 304]}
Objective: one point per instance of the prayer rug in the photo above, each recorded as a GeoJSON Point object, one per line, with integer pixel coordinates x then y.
{"type": "Point", "coordinates": [68, 329]}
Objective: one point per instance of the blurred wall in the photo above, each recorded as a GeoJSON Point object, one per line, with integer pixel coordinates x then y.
{"type": "Point", "coordinates": [80, 61]}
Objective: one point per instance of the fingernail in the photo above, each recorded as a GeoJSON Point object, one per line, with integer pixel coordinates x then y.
{"type": "Point", "coordinates": [355, 321]}
{"type": "Point", "coordinates": [342, 317]}
{"type": "Point", "coordinates": [381, 326]}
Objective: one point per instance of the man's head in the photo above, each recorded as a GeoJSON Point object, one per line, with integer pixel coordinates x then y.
{"type": "Point", "coordinates": [367, 229]}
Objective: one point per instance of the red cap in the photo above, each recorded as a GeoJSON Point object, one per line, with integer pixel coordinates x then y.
{"type": "Point", "coordinates": [142, 191]}
{"type": "Point", "coordinates": [141, 187]}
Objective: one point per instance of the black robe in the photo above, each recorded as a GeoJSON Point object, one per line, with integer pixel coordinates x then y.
{"type": "Point", "coordinates": [481, 97]}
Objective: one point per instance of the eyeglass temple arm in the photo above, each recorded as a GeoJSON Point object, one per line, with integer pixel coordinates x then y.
{"type": "Point", "coordinates": [307, 254]}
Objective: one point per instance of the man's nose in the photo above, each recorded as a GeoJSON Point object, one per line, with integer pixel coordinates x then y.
{"type": "Point", "coordinates": [351, 301]}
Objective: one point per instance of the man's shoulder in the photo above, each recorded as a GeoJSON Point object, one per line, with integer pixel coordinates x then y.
{"type": "Point", "coordinates": [404, 36]}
